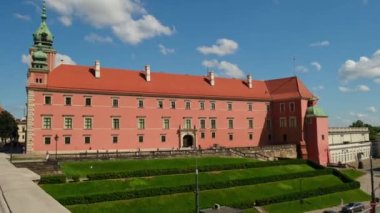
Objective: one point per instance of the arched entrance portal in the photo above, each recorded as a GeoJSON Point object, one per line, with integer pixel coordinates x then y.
{"type": "Point", "coordinates": [188, 141]}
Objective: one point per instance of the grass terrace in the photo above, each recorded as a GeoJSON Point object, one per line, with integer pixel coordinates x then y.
{"type": "Point", "coordinates": [85, 168]}
{"type": "Point", "coordinates": [168, 185]}
{"type": "Point", "coordinates": [130, 184]}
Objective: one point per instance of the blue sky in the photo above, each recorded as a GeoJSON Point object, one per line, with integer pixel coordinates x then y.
{"type": "Point", "coordinates": [334, 43]}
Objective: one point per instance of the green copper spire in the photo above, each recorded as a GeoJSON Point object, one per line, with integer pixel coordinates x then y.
{"type": "Point", "coordinates": [43, 14]}
{"type": "Point", "coordinates": [43, 35]}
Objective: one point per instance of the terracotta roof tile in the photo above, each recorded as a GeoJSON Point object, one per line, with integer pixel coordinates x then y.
{"type": "Point", "coordinates": [75, 77]}
{"type": "Point", "coordinates": [286, 88]}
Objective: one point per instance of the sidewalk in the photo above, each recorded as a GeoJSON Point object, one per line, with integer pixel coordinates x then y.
{"type": "Point", "coordinates": [19, 193]}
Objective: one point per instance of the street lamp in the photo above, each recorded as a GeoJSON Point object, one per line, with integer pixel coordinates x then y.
{"type": "Point", "coordinates": [56, 147]}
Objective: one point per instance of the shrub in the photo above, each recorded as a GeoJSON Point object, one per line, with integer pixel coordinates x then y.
{"type": "Point", "coordinates": [52, 179]}
{"type": "Point", "coordinates": [123, 195]}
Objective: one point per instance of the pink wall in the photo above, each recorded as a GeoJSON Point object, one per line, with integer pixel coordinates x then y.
{"type": "Point", "coordinates": [102, 112]}
{"type": "Point", "coordinates": [317, 139]}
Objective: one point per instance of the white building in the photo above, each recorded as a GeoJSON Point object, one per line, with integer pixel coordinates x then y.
{"type": "Point", "coordinates": [348, 144]}
{"type": "Point", "coordinates": [21, 124]}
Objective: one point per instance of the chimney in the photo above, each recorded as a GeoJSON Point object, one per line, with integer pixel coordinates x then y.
{"type": "Point", "coordinates": [97, 69]}
{"type": "Point", "coordinates": [147, 72]}
{"type": "Point", "coordinates": [249, 81]}
{"type": "Point", "coordinates": [211, 76]}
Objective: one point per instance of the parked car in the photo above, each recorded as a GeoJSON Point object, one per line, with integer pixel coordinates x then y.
{"type": "Point", "coordinates": [353, 207]}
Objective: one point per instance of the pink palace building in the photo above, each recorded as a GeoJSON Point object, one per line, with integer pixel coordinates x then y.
{"type": "Point", "coordinates": [96, 108]}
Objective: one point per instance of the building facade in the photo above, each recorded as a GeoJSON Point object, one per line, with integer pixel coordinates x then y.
{"type": "Point", "coordinates": [75, 108]}
{"type": "Point", "coordinates": [348, 144]}
{"type": "Point", "coordinates": [21, 125]}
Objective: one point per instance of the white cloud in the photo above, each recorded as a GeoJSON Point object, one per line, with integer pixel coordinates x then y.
{"type": "Point", "coordinates": [363, 68]}
{"type": "Point", "coordinates": [222, 47]}
{"type": "Point", "coordinates": [164, 50]}
{"type": "Point", "coordinates": [377, 81]}
{"type": "Point", "coordinates": [371, 109]}
{"type": "Point", "coordinates": [128, 19]}
{"type": "Point", "coordinates": [302, 69]}
{"type": "Point", "coordinates": [363, 88]}
{"type": "Point", "coordinates": [25, 59]}
{"type": "Point", "coordinates": [320, 44]}
{"type": "Point", "coordinates": [358, 115]}
{"type": "Point", "coordinates": [227, 68]}
{"type": "Point", "coordinates": [317, 65]}
{"type": "Point", "coordinates": [359, 88]}
{"type": "Point", "coordinates": [319, 87]}
{"type": "Point", "coordinates": [95, 38]}
{"type": "Point", "coordinates": [21, 17]}
{"type": "Point", "coordinates": [344, 89]}
{"type": "Point", "coordinates": [63, 59]}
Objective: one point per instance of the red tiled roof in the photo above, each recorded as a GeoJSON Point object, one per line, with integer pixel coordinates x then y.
{"type": "Point", "coordinates": [286, 88]}
{"type": "Point", "coordinates": [74, 77]}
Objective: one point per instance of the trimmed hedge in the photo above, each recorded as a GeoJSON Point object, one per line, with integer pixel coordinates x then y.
{"type": "Point", "coordinates": [52, 179]}
{"type": "Point", "coordinates": [124, 195]}
{"type": "Point", "coordinates": [154, 172]}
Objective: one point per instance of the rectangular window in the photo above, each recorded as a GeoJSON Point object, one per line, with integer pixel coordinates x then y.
{"type": "Point", "coordinates": [87, 139]}
{"type": "Point", "coordinates": [229, 106]}
{"type": "Point", "coordinates": [47, 99]}
{"type": "Point", "coordinates": [250, 136]}
{"type": "Point", "coordinates": [140, 103]}
{"type": "Point", "coordinates": [292, 107]}
{"type": "Point", "coordinates": [87, 101]}
{"type": "Point", "coordinates": [230, 137]}
{"type": "Point", "coordinates": [47, 140]}
{"type": "Point", "coordinates": [115, 139]}
{"type": "Point", "coordinates": [230, 123]}
{"type": "Point", "coordinates": [166, 123]}
{"type": "Point", "coordinates": [46, 124]}
{"type": "Point", "coordinates": [163, 138]}
{"type": "Point", "coordinates": [213, 135]}
{"type": "Point", "coordinates": [115, 102]}
{"type": "Point", "coordinates": [213, 124]}
{"type": "Point", "coordinates": [187, 105]}
{"type": "Point", "coordinates": [282, 107]}
{"type": "Point", "coordinates": [141, 138]}
{"type": "Point", "coordinates": [68, 123]}
{"type": "Point", "coordinates": [160, 104]}
{"type": "Point", "coordinates": [67, 139]}
{"type": "Point", "coordinates": [202, 105]}
{"type": "Point", "coordinates": [187, 123]}
{"type": "Point", "coordinates": [250, 123]}
{"type": "Point", "coordinates": [87, 123]}
{"type": "Point", "coordinates": [268, 123]}
{"type": "Point", "coordinates": [212, 106]}
{"type": "Point", "coordinates": [202, 123]}
{"type": "Point", "coordinates": [282, 122]}
{"type": "Point", "coordinates": [115, 123]}
{"type": "Point", "coordinates": [202, 135]}
{"type": "Point", "coordinates": [250, 107]}
{"type": "Point", "coordinates": [68, 101]}
{"type": "Point", "coordinates": [292, 122]}
{"type": "Point", "coordinates": [141, 123]}
{"type": "Point", "coordinates": [172, 104]}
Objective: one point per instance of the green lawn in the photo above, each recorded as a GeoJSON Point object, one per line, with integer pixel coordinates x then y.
{"type": "Point", "coordinates": [352, 173]}
{"type": "Point", "coordinates": [184, 202]}
{"type": "Point", "coordinates": [318, 202]}
{"type": "Point", "coordinates": [93, 167]}
{"type": "Point", "coordinates": [106, 186]}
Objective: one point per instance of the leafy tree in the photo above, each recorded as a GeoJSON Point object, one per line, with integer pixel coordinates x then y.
{"type": "Point", "coordinates": [8, 126]}
{"type": "Point", "coordinates": [373, 130]}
